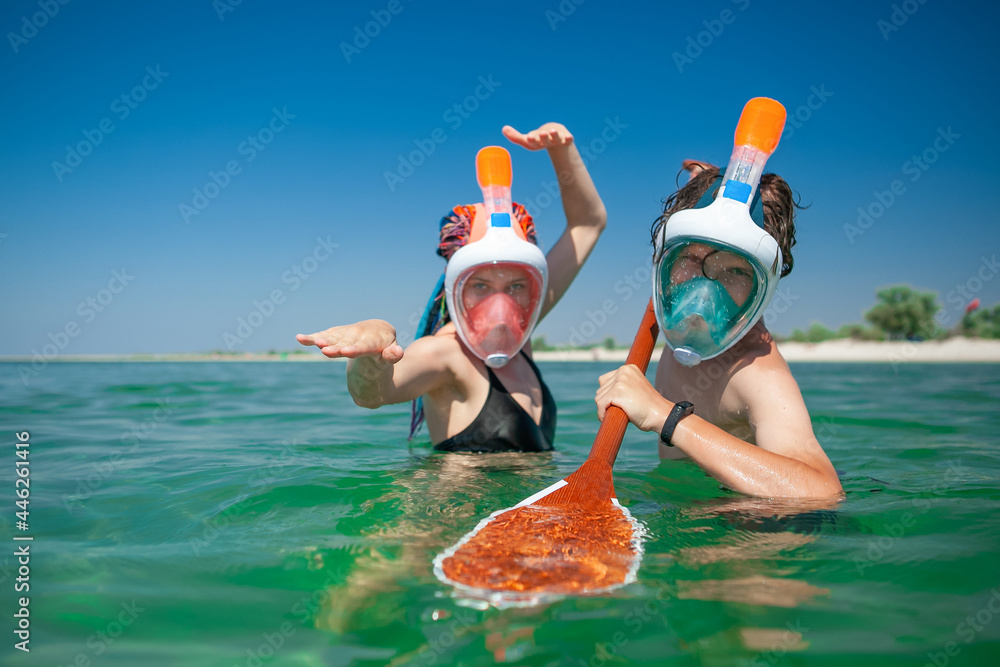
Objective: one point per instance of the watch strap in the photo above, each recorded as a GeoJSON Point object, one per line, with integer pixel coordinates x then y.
{"type": "Point", "coordinates": [679, 411]}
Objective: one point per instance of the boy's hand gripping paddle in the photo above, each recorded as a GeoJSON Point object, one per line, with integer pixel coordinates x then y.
{"type": "Point", "coordinates": [571, 538]}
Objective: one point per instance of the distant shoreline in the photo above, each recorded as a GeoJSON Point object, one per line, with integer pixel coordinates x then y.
{"type": "Point", "coordinates": [953, 350]}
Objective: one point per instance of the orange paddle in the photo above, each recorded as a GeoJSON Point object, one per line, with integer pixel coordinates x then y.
{"type": "Point", "coordinates": [571, 538]}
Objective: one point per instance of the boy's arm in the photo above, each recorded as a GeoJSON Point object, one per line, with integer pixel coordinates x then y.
{"type": "Point", "coordinates": [787, 461]}
{"type": "Point", "coordinates": [586, 216]}
{"type": "Point", "coordinates": [379, 372]}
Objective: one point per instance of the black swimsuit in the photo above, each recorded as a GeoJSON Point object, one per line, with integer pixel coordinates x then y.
{"type": "Point", "coordinates": [504, 426]}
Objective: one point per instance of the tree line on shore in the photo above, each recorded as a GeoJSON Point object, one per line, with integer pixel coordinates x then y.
{"type": "Point", "coordinates": [903, 313]}
{"type": "Point", "coordinates": [900, 313]}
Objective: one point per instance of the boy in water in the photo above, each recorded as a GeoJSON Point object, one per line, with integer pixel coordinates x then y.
{"type": "Point", "coordinates": [752, 431]}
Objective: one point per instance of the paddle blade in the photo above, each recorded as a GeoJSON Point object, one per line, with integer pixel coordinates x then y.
{"type": "Point", "coordinates": [571, 538]}
{"type": "Point", "coordinates": [534, 553]}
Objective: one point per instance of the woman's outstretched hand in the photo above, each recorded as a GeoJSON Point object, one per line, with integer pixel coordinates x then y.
{"type": "Point", "coordinates": [366, 338]}
{"type": "Point", "coordinates": [549, 135]}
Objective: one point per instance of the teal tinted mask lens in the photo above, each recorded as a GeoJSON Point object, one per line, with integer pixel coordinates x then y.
{"type": "Point", "coordinates": [706, 297]}
{"type": "Point", "coordinates": [700, 298]}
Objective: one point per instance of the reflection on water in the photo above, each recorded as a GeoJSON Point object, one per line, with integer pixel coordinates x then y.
{"type": "Point", "coordinates": [435, 496]}
{"type": "Point", "coordinates": [758, 590]}
{"type": "Point", "coordinates": [440, 494]}
{"type": "Point", "coordinates": [266, 513]}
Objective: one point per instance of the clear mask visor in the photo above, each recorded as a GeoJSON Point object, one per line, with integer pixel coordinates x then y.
{"type": "Point", "coordinates": [498, 307]}
{"type": "Point", "coordinates": [707, 294]}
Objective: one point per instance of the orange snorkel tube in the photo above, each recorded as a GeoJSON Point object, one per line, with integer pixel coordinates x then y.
{"type": "Point", "coordinates": [495, 175]}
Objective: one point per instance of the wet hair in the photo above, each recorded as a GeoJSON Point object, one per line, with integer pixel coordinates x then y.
{"type": "Point", "coordinates": [777, 197]}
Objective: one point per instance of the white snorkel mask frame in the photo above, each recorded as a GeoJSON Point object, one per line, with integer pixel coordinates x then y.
{"type": "Point", "coordinates": [726, 223]}
{"type": "Point", "coordinates": [496, 238]}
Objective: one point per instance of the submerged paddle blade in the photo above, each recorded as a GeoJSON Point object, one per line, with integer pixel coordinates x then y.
{"type": "Point", "coordinates": [572, 538]}
{"type": "Point", "coordinates": [533, 553]}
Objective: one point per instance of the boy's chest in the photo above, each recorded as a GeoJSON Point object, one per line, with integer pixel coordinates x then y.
{"type": "Point", "coordinates": [713, 393]}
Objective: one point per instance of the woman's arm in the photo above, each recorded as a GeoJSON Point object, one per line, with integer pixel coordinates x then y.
{"type": "Point", "coordinates": [586, 216]}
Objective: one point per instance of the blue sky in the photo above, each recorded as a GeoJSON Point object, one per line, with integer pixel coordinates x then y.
{"type": "Point", "coordinates": [288, 135]}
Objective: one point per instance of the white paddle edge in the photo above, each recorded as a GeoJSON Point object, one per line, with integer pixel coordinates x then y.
{"type": "Point", "coordinates": [508, 599]}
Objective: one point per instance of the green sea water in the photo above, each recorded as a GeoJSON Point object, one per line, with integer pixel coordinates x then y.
{"type": "Point", "coordinates": [249, 514]}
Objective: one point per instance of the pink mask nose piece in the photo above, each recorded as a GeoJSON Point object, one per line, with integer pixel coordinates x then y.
{"type": "Point", "coordinates": [498, 318]}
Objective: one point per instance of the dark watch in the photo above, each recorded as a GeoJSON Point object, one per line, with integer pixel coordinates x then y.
{"type": "Point", "coordinates": [677, 413]}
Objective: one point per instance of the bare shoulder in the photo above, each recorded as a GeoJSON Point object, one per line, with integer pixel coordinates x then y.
{"type": "Point", "coordinates": [776, 409]}
{"type": "Point", "coordinates": [459, 375]}
{"type": "Point", "coordinates": [443, 342]}
{"type": "Point", "coordinates": [443, 350]}
{"type": "Point", "coordinates": [761, 368]}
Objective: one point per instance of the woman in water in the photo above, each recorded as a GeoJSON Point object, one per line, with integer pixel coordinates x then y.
{"type": "Point", "coordinates": [471, 401]}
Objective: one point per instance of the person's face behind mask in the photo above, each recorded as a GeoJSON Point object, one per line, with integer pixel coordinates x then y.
{"type": "Point", "coordinates": [704, 293]}
{"type": "Point", "coordinates": [498, 307]}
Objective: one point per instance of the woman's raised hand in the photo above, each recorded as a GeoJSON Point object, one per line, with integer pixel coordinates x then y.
{"type": "Point", "coordinates": [549, 135]}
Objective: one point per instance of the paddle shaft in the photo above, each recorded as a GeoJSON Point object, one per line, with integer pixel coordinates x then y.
{"type": "Point", "coordinates": [611, 535]}
{"type": "Point", "coordinates": [612, 430]}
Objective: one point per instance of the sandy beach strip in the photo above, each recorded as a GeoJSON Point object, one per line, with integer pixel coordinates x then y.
{"type": "Point", "coordinates": [953, 350]}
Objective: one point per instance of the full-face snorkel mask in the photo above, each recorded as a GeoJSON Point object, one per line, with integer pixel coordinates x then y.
{"type": "Point", "coordinates": [495, 284]}
{"type": "Point", "coordinates": [716, 269]}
